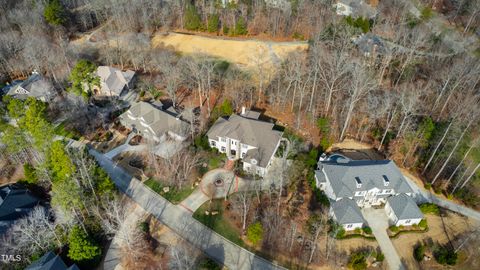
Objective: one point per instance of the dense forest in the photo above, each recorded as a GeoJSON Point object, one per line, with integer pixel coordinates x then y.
{"type": "Point", "coordinates": [417, 102]}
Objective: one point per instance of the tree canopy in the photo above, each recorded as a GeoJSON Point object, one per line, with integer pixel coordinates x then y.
{"type": "Point", "coordinates": [83, 76]}
{"type": "Point", "coordinates": [55, 13]}
{"type": "Point", "coordinates": [81, 247]}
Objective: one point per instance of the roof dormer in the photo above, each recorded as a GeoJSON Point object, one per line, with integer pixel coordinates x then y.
{"type": "Point", "coordinates": [386, 181]}
{"type": "Point", "coordinates": [358, 181]}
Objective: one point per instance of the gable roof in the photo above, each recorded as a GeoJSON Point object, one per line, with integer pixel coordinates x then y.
{"type": "Point", "coordinates": [35, 86]}
{"type": "Point", "coordinates": [114, 80]}
{"type": "Point", "coordinates": [254, 132]}
{"type": "Point", "coordinates": [404, 207]}
{"type": "Point", "coordinates": [346, 211]}
{"type": "Point", "coordinates": [160, 121]}
{"type": "Point", "coordinates": [50, 261]}
{"type": "Point", "coordinates": [15, 201]}
{"type": "Point", "coordinates": [344, 174]}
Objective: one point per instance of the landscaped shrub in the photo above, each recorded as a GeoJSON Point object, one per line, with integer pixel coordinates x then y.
{"type": "Point", "coordinates": [358, 261]}
{"type": "Point", "coordinates": [445, 255]}
{"type": "Point", "coordinates": [380, 257]}
{"type": "Point", "coordinates": [367, 230]}
{"type": "Point", "coordinates": [419, 252]}
{"type": "Point", "coordinates": [358, 230]}
{"type": "Point", "coordinates": [394, 228]}
{"type": "Point", "coordinates": [340, 233]}
{"type": "Point", "coordinates": [423, 224]}
{"type": "Point", "coordinates": [255, 233]}
{"type": "Point", "coordinates": [430, 208]}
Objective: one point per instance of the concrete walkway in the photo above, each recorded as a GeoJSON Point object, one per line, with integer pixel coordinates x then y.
{"type": "Point", "coordinates": [378, 221]}
{"type": "Point", "coordinates": [181, 221]}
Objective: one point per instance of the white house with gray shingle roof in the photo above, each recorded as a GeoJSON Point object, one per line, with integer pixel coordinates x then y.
{"type": "Point", "coordinates": [402, 210]}
{"type": "Point", "coordinates": [247, 138]}
{"type": "Point", "coordinates": [347, 213]}
{"type": "Point", "coordinates": [366, 183]}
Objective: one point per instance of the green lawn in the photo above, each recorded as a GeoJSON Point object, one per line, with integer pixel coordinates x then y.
{"type": "Point", "coordinates": [217, 222]}
{"type": "Point", "coordinates": [174, 196]}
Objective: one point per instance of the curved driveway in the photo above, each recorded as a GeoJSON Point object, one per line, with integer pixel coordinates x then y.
{"type": "Point", "coordinates": [180, 221]}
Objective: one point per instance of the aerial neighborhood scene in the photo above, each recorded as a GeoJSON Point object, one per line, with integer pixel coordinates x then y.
{"type": "Point", "coordinates": [239, 134]}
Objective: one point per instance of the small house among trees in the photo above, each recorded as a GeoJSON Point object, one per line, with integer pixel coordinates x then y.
{"type": "Point", "coordinates": [35, 86]}
{"type": "Point", "coordinates": [113, 82]}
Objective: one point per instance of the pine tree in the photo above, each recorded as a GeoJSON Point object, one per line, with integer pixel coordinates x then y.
{"type": "Point", "coordinates": [54, 13]}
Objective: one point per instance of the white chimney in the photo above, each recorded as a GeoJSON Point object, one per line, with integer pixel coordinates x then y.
{"type": "Point", "coordinates": [243, 110]}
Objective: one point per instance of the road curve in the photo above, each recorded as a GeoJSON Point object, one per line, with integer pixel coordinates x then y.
{"type": "Point", "coordinates": [180, 221]}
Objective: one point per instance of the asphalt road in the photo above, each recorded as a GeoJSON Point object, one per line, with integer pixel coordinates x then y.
{"type": "Point", "coordinates": [180, 220]}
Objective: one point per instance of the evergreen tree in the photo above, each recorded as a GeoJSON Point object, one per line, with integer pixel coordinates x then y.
{"type": "Point", "coordinates": [81, 248]}
{"type": "Point", "coordinates": [83, 76]}
{"type": "Point", "coordinates": [192, 19]}
{"type": "Point", "coordinates": [60, 163]}
{"type": "Point", "coordinates": [213, 23]}
{"type": "Point", "coordinates": [241, 27]}
{"type": "Point", "coordinates": [54, 13]}
{"type": "Point", "coordinates": [30, 173]}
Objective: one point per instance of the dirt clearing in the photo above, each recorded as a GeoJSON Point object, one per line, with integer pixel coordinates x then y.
{"type": "Point", "coordinates": [246, 53]}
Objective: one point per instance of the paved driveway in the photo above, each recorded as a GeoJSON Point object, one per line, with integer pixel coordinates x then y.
{"type": "Point", "coordinates": [378, 221]}
{"type": "Point", "coordinates": [180, 221]}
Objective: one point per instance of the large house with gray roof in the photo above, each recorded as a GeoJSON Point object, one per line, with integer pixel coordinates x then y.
{"type": "Point", "coordinates": [247, 138]}
{"type": "Point", "coordinates": [402, 210]}
{"type": "Point", "coordinates": [365, 182]}
{"type": "Point", "coordinates": [113, 82]}
{"type": "Point", "coordinates": [15, 202]}
{"type": "Point", "coordinates": [155, 123]}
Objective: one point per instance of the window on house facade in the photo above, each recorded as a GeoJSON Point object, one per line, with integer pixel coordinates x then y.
{"type": "Point", "coordinates": [349, 226]}
{"type": "Point", "coordinates": [223, 149]}
{"type": "Point", "coordinates": [212, 143]}
{"type": "Point", "coordinates": [243, 154]}
{"type": "Point", "coordinates": [408, 221]}
{"type": "Point", "coordinates": [223, 139]}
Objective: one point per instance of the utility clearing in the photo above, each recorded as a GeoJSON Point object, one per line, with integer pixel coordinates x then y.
{"type": "Point", "coordinates": [245, 53]}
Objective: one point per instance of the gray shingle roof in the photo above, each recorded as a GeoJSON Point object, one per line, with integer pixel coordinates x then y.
{"type": "Point", "coordinates": [371, 174]}
{"type": "Point", "coordinates": [114, 80]}
{"type": "Point", "coordinates": [404, 207]}
{"type": "Point", "coordinates": [346, 211]}
{"type": "Point", "coordinates": [159, 120]}
{"type": "Point", "coordinates": [15, 202]}
{"type": "Point", "coordinates": [35, 86]}
{"type": "Point", "coordinates": [249, 131]}
{"type": "Point", "coordinates": [50, 261]}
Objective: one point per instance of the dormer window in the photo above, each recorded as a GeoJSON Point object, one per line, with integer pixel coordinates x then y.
{"type": "Point", "coordinates": [358, 181]}
{"type": "Point", "coordinates": [386, 181]}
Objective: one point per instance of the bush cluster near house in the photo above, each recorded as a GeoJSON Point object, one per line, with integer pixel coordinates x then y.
{"type": "Point", "coordinates": [430, 208]}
